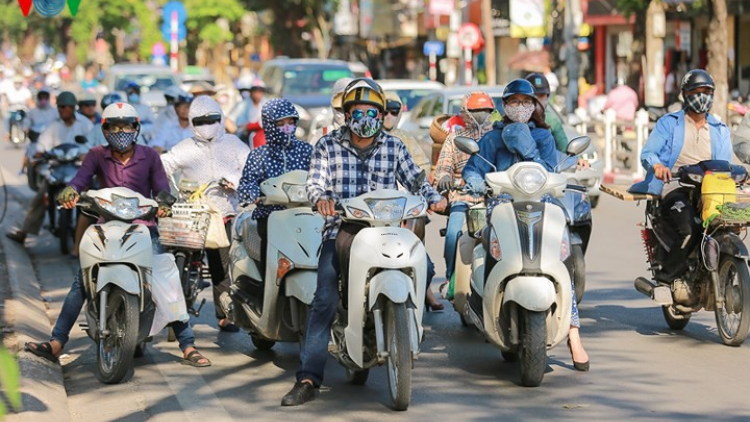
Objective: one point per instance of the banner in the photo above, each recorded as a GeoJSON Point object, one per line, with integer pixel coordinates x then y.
{"type": "Point", "coordinates": [527, 18]}
{"type": "Point", "coordinates": [441, 7]}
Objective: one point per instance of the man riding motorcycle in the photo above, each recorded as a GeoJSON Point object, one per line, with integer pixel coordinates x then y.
{"type": "Point", "coordinates": [358, 158]}
{"type": "Point", "coordinates": [282, 153]}
{"type": "Point", "coordinates": [542, 89]}
{"type": "Point", "coordinates": [120, 163]}
{"type": "Point", "coordinates": [686, 137]}
{"type": "Point", "coordinates": [37, 119]}
{"type": "Point", "coordinates": [87, 107]}
{"type": "Point", "coordinates": [173, 132]}
{"type": "Point", "coordinates": [245, 117]}
{"type": "Point", "coordinates": [168, 113]}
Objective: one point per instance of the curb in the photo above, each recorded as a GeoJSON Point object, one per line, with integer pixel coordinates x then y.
{"type": "Point", "coordinates": [42, 383]}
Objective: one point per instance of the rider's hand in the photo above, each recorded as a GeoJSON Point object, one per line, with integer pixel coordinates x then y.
{"type": "Point", "coordinates": [440, 206]}
{"type": "Point", "coordinates": [68, 198]}
{"type": "Point", "coordinates": [583, 164]}
{"type": "Point", "coordinates": [445, 182]}
{"type": "Point", "coordinates": [662, 172]}
{"type": "Point", "coordinates": [226, 184]}
{"type": "Point", "coordinates": [164, 211]}
{"type": "Point", "coordinates": [326, 207]}
{"type": "Point", "coordinates": [476, 187]}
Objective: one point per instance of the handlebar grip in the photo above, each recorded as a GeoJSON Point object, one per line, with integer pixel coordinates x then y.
{"type": "Point", "coordinates": [578, 188]}
{"type": "Point", "coordinates": [675, 174]}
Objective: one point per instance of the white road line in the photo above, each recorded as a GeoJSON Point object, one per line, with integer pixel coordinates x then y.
{"type": "Point", "coordinates": [196, 398]}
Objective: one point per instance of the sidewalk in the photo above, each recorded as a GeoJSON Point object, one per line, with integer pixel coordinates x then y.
{"type": "Point", "coordinates": [42, 387]}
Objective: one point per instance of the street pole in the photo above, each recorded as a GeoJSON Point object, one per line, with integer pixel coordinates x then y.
{"type": "Point", "coordinates": [468, 77]}
{"type": "Point", "coordinates": [173, 57]}
{"type": "Point", "coordinates": [433, 66]}
{"type": "Point", "coordinates": [489, 46]}
{"type": "Point", "coordinates": [655, 33]}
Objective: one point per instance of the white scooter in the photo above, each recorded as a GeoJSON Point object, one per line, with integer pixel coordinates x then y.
{"type": "Point", "coordinates": [270, 300]}
{"type": "Point", "coordinates": [379, 318]}
{"type": "Point", "coordinates": [523, 304]}
{"type": "Point", "coordinates": [116, 262]}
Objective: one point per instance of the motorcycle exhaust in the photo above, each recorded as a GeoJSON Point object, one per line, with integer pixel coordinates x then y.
{"type": "Point", "coordinates": [660, 294]}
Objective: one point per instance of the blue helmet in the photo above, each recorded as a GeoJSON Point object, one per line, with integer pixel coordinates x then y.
{"type": "Point", "coordinates": [109, 99]}
{"type": "Point", "coordinates": [518, 86]}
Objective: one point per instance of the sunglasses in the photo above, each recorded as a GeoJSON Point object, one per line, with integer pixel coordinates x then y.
{"type": "Point", "coordinates": [358, 114]}
{"type": "Point", "coordinates": [208, 119]}
{"type": "Point", "coordinates": [87, 104]}
{"type": "Point", "coordinates": [118, 129]}
{"type": "Point", "coordinates": [393, 112]}
{"type": "Point", "coordinates": [66, 106]}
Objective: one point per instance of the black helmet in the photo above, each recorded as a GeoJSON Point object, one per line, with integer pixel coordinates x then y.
{"type": "Point", "coordinates": [697, 78]}
{"type": "Point", "coordinates": [519, 86]}
{"type": "Point", "coordinates": [108, 99]}
{"type": "Point", "coordinates": [540, 83]}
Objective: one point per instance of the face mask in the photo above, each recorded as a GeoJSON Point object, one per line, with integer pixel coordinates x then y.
{"type": "Point", "coordinates": [288, 129]}
{"type": "Point", "coordinates": [43, 103]}
{"type": "Point", "coordinates": [134, 98]}
{"type": "Point", "coordinates": [390, 122]}
{"type": "Point", "coordinates": [120, 141]}
{"type": "Point", "coordinates": [699, 103]}
{"type": "Point", "coordinates": [208, 132]}
{"type": "Point", "coordinates": [245, 95]}
{"type": "Point", "coordinates": [366, 127]}
{"type": "Point", "coordinates": [480, 116]}
{"type": "Point", "coordinates": [519, 114]}
{"type": "Point", "coordinates": [339, 118]}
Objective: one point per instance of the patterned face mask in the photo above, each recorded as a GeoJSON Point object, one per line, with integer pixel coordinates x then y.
{"type": "Point", "coordinates": [365, 127]}
{"type": "Point", "coordinates": [288, 129]}
{"type": "Point", "coordinates": [699, 103]}
{"type": "Point", "coordinates": [120, 141]}
{"type": "Point", "coordinates": [520, 113]}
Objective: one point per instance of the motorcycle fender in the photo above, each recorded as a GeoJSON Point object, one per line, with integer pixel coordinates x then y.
{"type": "Point", "coordinates": [395, 285]}
{"type": "Point", "coordinates": [121, 276]}
{"type": "Point", "coordinates": [532, 293]}
{"type": "Point", "coordinates": [302, 285]}
{"type": "Point", "coordinates": [734, 246]}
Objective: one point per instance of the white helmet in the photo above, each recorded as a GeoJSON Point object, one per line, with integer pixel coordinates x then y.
{"type": "Point", "coordinates": [120, 113]}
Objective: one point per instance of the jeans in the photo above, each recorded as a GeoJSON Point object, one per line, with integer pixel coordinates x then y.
{"type": "Point", "coordinates": [452, 233]}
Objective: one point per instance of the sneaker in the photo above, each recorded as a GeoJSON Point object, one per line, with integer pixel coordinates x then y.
{"type": "Point", "coordinates": [16, 236]}
{"type": "Point", "coordinates": [301, 393]}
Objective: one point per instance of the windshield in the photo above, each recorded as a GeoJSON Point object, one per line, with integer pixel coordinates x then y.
{"type": "Point", "coordinates": [146, 82]}
{"type": "Point", "coordinates": [411, 97]}
{"type": "Point", "coordinates": [312, 81]}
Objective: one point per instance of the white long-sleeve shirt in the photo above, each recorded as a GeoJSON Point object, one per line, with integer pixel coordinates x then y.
{"type": "Point", "coordinates": [205, 162]}
{"type": "Point", "coordinates": [59, 133]}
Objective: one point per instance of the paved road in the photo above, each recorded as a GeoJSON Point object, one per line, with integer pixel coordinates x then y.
{"type": "Point", "coordinates": [639, 368]}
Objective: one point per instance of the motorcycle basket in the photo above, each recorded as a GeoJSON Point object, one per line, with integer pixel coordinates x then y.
{"type": "Point", "coordinates": [726, 208]}
{"type": "Point", "coordinates": [187, 228]}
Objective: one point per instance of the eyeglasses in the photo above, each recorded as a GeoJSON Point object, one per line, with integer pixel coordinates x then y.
{"type": "Point", "coordinates": [87, 104]}
{"type": "Point", "coordinates": [118, 129]}
{"type": "Point", "coordinates": [516, 103]}
{"type": "Point", "coordinates": [208, 119]}
{"type": "Point", "coordinates": [393, 112]}
{"type": "Point", "coordinates": [358, 114]}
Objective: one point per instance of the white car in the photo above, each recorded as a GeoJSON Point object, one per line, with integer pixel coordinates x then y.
{"type": "Point", "coordinates": [410, 91]}
{"type": "Point", "coordinates": [152, 79]}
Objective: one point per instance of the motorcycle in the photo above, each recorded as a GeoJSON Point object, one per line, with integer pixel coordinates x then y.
{"type": "Point", "coordinates": [116, 263]}
{"type": "Point", "coordinates": [60, 165]}
{"type": "Point", "coordinates": [379, 316]}
{"type": "Point", "coordinates": [520, 294]}
{"type": "Point", "coordinates": [17, 134]}
{"type": "Point", "coordinates": [271, 299]}
{"type": "Point", "coordinates": [718, 279]}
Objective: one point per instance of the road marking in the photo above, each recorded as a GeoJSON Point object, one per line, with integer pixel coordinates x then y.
{"type": "Point", "coordinates": [196, 398]}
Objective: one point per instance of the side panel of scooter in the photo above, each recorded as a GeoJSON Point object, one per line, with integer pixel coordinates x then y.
{"type": "Point", "coordinates": [241, 264]}
{"type": "Point", "coordinates": [386, 248]}
{"type": "Point", "coordinates": [116, 241]}
{"type": "Point", "coordinates": [120, 275]}
{"type": "Point", "coordinates": [462, 271]}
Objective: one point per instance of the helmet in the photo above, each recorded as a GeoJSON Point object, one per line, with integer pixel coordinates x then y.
{"type": "Point", "coordinates": [132, 86]}
{"type": "Point", "coordinates": [518, 86]}
{"type": "Point", "coordinates": [363, 91]}
{"type": "Point", "coordinates": [43, 91]}
{"type": "Point", "coordinates": [337, 92]}
{"type": "Point", "coordinates": [392, 101]}
{"type": "Point", "coordinates": [87, 98]}
{"type": "Point", "coordinates": [108, 99]}
{"type": "Point", "coordinates": [120, 113]}
{"type": "Point", "coordinates": [257, 85]}
{"type": "Point", "coordinates": [697, 78]}
{"type": "Point", "coordinates": [540, 83]}
{"type": "Point", "coordinates": [66, 98]}
{"type": "Point", "coordinates": [479, 101]}
{"type": "Point", "coordinates": [183, 97]}
{"type": "Point", "coordinates": [171, 93]}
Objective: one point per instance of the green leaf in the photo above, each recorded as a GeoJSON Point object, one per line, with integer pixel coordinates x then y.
{"type": "Point", "coordinates": [10, 379]}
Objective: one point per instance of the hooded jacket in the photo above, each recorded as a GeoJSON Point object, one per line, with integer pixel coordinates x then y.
{"type": "Point", "coordinates": [281, 154]}
{"type": "Point", "coordinates": [209, 160]}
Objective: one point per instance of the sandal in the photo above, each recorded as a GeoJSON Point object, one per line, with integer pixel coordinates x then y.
{"type": "Point", "coordinates": [194, 359]}
{"type": "Point", "coordinates": [229, 327]}
{"type": "Point", "coordinates": [43, 350]}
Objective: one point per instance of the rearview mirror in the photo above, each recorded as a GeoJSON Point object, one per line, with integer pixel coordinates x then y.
{"type": "Point", "coordinates": [578, 145]}
{"type": "Point", "coordinates": [466, 145]}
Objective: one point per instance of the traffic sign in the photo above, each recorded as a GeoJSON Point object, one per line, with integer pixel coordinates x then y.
{"type": "Point", "coordinates": [434, 47]}
{"type": "Point", "coordinates": [166, 26]}
{"type": "Point", "coordinates": [469, 36]}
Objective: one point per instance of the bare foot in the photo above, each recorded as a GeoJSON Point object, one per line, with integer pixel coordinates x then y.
{"type": "Point", "coordinates": [576, 346]}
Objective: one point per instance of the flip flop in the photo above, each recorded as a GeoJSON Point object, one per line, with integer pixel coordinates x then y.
{"type": "Point", "coordinates": [43, 350]}
{"type": "Point", "coordinates": [193, 359]}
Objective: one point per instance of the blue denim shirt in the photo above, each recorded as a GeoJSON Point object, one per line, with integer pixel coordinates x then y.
{"type": "Point", "coordinates": [665, 144]}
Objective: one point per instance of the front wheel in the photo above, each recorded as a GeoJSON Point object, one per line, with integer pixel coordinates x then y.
{"type": "Point", "coordinates": [357, 377]}
{"type": "Point", "coordinates": [733, 317]}
{"type": "Point", "coordinates": [398, 362]}
{"type": "Point", "coordinates": [261, 343]}
{"type": "Point", "coordinates": [116, 350]}
{"type": "Point", "coordinates": [533, 353]}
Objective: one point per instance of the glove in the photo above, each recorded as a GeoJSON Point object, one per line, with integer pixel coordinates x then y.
{"type": "Point", "coordinates": [68, 194]}
{"type": "Point", "coordinates": [165, 210]}
{"type": "Point", "coordinates": [476, 187]}
{"type": "Point", "coordinates": [445, 183]}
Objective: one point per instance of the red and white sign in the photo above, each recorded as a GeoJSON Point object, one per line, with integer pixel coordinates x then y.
{"type": "Point", "coordinates": [441, 7]}
{"type": "Point", "coordinates": [469, 36]}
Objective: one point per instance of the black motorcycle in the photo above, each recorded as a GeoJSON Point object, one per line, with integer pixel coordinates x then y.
{"type": "Point", "coordinates": [717, 278]}
{"type": "Point", "coordinates": [61, 164]}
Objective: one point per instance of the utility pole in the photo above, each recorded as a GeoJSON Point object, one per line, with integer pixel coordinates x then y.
{"type": "Point", "coordinates": [717, 56]}
{"type": "Point", "coordinates": [573, 19]}
{"type": "Point", "coordinates": [489, 46]}
{"type": "Point", "coordinates": [656, 30]}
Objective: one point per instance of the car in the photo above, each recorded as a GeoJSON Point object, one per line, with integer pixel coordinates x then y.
{"type": "Point", "coordinates": [153, 80]}
{"type": "Point", "coordinates": [410, 91]}
{"type": "Point", "coordinates": [193, 74]}
{"type": "Point", "coordinates": [360, 70]}
{"type": "Point", "coordinates": [448, 101]}
{"type": "Point", "coordinates": [308, 83]}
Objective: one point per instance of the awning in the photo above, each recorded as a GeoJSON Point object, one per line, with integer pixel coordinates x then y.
{"type": "Point", "coordinates": [604, 12]}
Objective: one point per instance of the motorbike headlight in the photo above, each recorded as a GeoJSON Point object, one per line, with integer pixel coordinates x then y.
{"type": "Point", "coordinates": [530, 179]}
{"type": "Point", "coordinates": [295, 193]}
{"type": "Point", "coordinates": [387, 209]}
{"type": "Point", "coordinates": [495, 250]}
{"type": "Point", "coordinates": [125, 208]}
{"type": "Point", "coordinates": [565, 246]}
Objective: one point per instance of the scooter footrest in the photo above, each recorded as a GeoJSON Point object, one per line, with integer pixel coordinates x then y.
{"type": "Point", "coordinates": [662, 295]}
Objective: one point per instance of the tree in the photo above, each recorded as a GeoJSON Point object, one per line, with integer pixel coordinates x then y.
{"type": "Point", "coordinates": [716, 41]}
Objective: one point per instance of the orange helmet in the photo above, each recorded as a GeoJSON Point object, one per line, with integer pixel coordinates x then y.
{"type": "Point", "coordinates": [479, 101]}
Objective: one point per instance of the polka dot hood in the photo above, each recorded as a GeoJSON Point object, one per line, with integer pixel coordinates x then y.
{"type": "Point", "coordinates": [274, 110]}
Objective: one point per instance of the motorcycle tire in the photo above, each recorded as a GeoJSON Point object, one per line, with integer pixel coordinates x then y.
{"type": "Point", "coordinates": [579, 271]}
{"type": "Point", "coordinates": [533, 353]}
{"type": "Point", "coordinates": [261, 343]}
{"type": "Point", "coordinates": [356, 377]}
{"type": "Point", "coordinates": [140, 350]}
{"type": "Point", "coordinates": [115, 356]}
{"type": "Point", "coordinates": [676, 320]}
{"type": "Point", "coordinates": [733, 318]}
{"type": "Point", "coordinates": [399, 361]}
{"type": "Point", "coordinates": [510, 356]}
{"type": "Point", "coordinates": [594, 201]}
{"type": "Point", "coordinates": [65, 230]}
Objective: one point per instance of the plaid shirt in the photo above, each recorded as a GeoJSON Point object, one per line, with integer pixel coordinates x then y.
{"type": "Point", "coordinates": [336, 172]}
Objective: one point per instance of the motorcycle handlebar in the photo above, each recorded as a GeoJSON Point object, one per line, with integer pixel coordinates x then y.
{"type": "Point", "coordinates": [579, 188]}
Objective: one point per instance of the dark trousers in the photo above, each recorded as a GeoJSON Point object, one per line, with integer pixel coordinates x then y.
{"type": "Point", "coordinates": [679, 218]}
{"type": "Point", "coordinates": [263, 234]}
{"type": "Point", "coordinates": [218, 266]}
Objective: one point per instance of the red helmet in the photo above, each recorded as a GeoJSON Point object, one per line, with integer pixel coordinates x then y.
{"type": "Point", "coordinates": [479, 101]}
